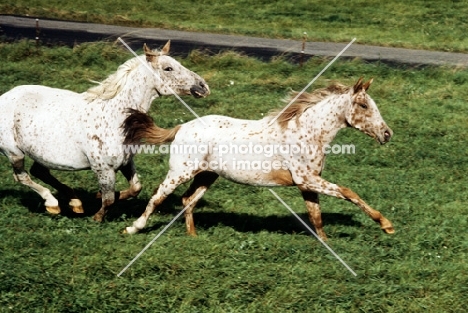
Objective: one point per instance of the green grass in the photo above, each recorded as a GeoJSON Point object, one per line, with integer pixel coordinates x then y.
{"type": "Point", "coordinates": [435, 25]}
{"type": "Point", "coordinates": [250, 254]}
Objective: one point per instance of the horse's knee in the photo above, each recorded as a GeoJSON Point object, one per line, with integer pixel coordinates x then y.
{"type": "Point", "coordinates": [16, 177]}
{"type": "Point", "coordinates": [22, 177]}
{"type": "Point", "coordinates": [108, 202]}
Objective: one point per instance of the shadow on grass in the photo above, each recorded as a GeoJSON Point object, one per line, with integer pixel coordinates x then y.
{"type": "Point", "coordinates": [245, 222]}
{"type": "Point", "coordinates": [132, 208]}
{"type": "Point", "coordinates": [35, 204]}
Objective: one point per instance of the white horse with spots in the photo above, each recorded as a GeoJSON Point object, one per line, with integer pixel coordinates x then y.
{"type": "Point", "coordinates": [282, 149]}
{"type": "Point", "coordinates": [64, 130]}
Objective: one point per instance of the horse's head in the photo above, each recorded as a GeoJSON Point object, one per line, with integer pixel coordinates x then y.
{"type": "Point", "coordinates": [173, 77]}
{"type": "Point", "coordinates": [364, 115]}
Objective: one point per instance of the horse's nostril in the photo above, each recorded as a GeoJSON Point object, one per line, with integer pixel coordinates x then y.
{"type": "Point", "coordinates": [204, 87]}
{"type": "Point", "coordinates": [387, 135]}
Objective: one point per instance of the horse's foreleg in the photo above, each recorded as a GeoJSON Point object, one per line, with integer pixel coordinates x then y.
{"type": "Point", "coordinates": [164, 190]}
{"type": "Point", "coordinates": [200, 184]}
{"type": "Point", "coordinates": [158, 197]}
{"type": "Point", "coordinates": [130, 174]}
{"type": "Point", "coordinates": [322, 186]}
{"type": "Point", "coordinates": [313, 209]}
{"type": "Point", "coordinates": [106, 180]}
{"type": "Point", "coordinates": [350, 195]}
{"type": "Point", "coordinates": [22, 176]}
{"type": "Point", "coordinates": [43, 173]}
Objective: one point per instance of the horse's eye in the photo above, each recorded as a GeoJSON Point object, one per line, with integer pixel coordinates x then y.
{"type": "Point", "coordinates": [363, 105]}
{"type": "Point", "coordinates": [168, 69]}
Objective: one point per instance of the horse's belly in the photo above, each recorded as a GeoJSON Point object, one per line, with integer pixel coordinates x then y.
{"type": "Point", "coordinates": [270, 179]}
{"type": "Point", "coordinates": [58, 157]}
{"type": "Point", "coordinates": [52, 150]}
{"type": "Point", "coordinates": [63, 162]}
{"type": "Point", "coordinates": [52, 146]}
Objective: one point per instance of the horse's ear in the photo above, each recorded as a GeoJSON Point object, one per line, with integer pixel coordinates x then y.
{"type": "Point", "coordinates": [166, 48]}
{"type": "Point", "coordinates": [367, 85]}
{"type": "Point", "coordinates": [150, 55]}
{"type": "Point", "coordinates": [358, 85]}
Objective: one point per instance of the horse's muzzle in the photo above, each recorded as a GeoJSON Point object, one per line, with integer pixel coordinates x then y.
{"type": "Point", "coordinates": [200, 91]}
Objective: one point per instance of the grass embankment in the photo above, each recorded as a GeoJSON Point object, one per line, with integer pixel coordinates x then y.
{"type": "Point", "coordinates": [250, 254]}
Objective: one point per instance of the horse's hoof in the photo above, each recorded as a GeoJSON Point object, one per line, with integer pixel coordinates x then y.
{"type": "Point", "coordinates": [76, 206]}
{"type": "Point", "coordinates": [386, 226]}
{"type": "Point", "coordinates": [53, 209]}
{"type": "Point", "coordinates": [97, 218]}
{"type": "Point", "coordinates": [130, 230]}
{"type": "Point", "coordinates": [77, 209]}
{"type": "Point", "coordinates": [389, 230]}
{"type": "Point", "coordinates": [323, 237]}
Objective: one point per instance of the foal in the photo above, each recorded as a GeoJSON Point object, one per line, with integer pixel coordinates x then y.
{"type": "Point", "coordinates": [293, 143]}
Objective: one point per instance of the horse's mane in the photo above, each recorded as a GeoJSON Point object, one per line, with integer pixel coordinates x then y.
{"type": "Point", "coordinates": [304, 101]}
{"type": "Point", "coordinates": [112, 85]}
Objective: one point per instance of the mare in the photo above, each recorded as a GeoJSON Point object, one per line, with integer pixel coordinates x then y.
{"type": "Point", "coordinates": [282, 149]}
{"type": "Point", "coordinates": [64, 130]}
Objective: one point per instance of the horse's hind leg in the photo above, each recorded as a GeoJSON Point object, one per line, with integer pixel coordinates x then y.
{"type": "Point", "coordinates": [313, 209]}
{"type": "Point", "coordinates": [130, 174]}
{"type": "Point", "coordinates": [200, 184]}
{"type": "Point", "coordinates": [41, 172]}
{"type": "Point", "coordinates": [17, 161]}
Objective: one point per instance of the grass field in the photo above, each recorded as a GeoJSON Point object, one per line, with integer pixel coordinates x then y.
{"type": "Point", "coordinates": [251, 255]}
{"type": "Point", "coordinates": [435, 25]}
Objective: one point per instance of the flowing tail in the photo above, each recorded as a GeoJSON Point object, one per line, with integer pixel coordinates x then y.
{"type": "Point", "coordinates": [138, 126]}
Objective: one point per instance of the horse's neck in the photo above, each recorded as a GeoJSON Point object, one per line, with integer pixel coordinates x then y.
{"type": "Point", "coordinates": [325, 119]}
{"type": "Point", "coordinates": [138, 92]}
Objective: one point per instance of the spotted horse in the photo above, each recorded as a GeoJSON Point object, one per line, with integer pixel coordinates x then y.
{"type": "Point", "coordinates": [311, 121]}
{"type": "Point", "coordinates": [63, 130]}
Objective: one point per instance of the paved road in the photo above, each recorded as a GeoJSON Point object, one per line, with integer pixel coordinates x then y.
{"type": "Point", "coordinates": [52, 31]}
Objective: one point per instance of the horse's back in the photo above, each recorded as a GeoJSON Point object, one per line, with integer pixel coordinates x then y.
{"type": "Point", "coordinates": [32, 105]}
{"type": "Point", "coordinates": [215, 127]}
{"type": "Point", "coordinates": [36, 97]}
{"type": "Point", "coordinates": [228, 147]}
